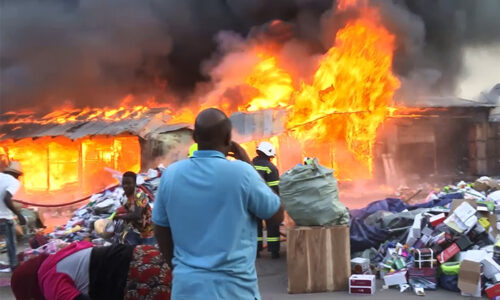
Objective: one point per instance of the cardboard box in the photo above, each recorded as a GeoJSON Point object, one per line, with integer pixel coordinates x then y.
{"type": "Point", "coordinates": [422, 242]}
{"type": "Point", "coordinates": [362, 280]}
{"type": "Point", "coordinates": [493, 291]}
{"type": "Point", "coordinates": [415, 230]}
{"type": "Point", "coordinates": [427, 273]}
{"type": "Point", "coordinates": [395, 278]}
{"type": "Point", "coordinates": [464, 211]}
{"type": "Point", "coordinates": [361, 290]}
{"type": "Point", "coordinates": [490, 267]}
{"type": "Point", "coordinates": [318, 259]}
{"type": "Point", "coordinates": [437, 219]}
{"type": "Point", "coordinates": [469, 278]}
{"type": "Point", "coordinates": [360, 265]}
{"type": "Point", "coordinates": [448, 253]}
{"type": "Point", "coordinates": [457, 202]}
{"type": "Point", "coordinates": [463, 242]}
{"type": "Point", "coordinates": [428, 231]}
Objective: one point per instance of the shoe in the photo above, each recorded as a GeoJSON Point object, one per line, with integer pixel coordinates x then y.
{"type": "Point", "coordinates": [275, 255]}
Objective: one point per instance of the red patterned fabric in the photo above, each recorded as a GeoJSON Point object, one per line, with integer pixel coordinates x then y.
{"type": "Point", "coordinates": [149, 276]}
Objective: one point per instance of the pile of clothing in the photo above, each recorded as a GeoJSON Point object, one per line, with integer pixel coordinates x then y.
{"type": "Point", "coordinates": [100, 206]}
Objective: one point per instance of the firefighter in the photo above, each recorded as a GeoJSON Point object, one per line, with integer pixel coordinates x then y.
{"type": "Point", "coordinates": [269, 172]}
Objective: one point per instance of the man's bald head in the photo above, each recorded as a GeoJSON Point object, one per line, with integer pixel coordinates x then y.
{"type": "Point", "coordinates": [212, 130]}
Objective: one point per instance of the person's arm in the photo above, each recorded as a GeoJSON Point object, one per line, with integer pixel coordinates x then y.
{"type": "Point", "coordinates": [278, 217]}
{"type": "Point", "coordinates": [162, 231]}
{"type": "Point", "coordinates": [10, 205]}
{"type": "Point", "coordinates": [163, 236]}
{"type": "Point", "coordinates": [263, 202]}
{"type": "Point", "coordinates": [239, 153]}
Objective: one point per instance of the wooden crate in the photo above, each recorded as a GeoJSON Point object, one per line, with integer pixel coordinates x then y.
{"type": "Point", "coordinates": [318, 259]}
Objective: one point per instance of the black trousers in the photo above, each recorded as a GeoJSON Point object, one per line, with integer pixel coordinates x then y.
{"type": "Point", "coordinates": [273, 236]}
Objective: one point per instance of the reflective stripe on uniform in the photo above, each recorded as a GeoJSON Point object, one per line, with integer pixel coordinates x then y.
{"type": "Point", "coordinates": [259, 239]}
{"type": "Point", "coordinates": [273, 183]}
{"type": "Point", "coordinates": [263, 168]}
{"type": "Point", "coordinates": [273, 239]}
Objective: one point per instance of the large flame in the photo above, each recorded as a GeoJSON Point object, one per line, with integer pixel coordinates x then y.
{"type": "Point", "coordinates": [60, 167]}
{"type": "Point", "coordinates": [349, 97]}
{"type": "Point", "coordinates": [333, 116]}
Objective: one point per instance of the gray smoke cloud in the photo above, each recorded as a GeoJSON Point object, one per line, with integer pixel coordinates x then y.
{"type": "Point", "coordinates": [95, 52]}
{"type": "Point", "coordinates": [432, 37]}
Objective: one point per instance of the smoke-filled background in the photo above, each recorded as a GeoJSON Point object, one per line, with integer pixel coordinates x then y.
{"type": "Point", "coordinates": [95, 52]}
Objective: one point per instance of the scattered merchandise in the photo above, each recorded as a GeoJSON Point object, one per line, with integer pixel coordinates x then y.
{"type": "Point", "coordinates": [94, 221]}
{"type": "Point", "coordinates": [362, 284]}
{"type": "Point", "coordinates": [360, 265]}
{"type": "Point", "coordinates": [451, 241]}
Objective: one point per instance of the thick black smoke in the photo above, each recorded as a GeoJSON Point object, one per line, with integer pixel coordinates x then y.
{"type": "Point", "coordinates": [95, 52]}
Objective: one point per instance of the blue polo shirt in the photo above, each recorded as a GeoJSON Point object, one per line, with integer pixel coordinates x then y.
{"type": "Point", "coordinates": [211, 205]}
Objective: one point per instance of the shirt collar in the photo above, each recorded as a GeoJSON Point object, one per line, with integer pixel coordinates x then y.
{"type": "Point", "coordinates": [208, 153]}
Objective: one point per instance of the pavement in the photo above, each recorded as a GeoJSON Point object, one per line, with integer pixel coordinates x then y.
{"type": "Point", "coordinates": [273, 285]}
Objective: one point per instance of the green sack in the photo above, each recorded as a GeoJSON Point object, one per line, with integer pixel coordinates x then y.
{"type": "Point", "coordinates": [310, 196]}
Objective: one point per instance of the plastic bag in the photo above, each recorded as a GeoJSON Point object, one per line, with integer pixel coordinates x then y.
{"type": "Point", "coordinates": [310, 196]}
{"type": "Point", "coordinates": [104, 227]}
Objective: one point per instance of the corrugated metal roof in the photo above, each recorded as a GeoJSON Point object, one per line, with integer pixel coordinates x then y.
{"type": "Point", "coordinates": [143, 127]}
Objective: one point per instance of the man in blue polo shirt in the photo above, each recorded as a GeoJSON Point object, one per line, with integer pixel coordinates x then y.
{"type": "Point", "coordinates": [205, 216]}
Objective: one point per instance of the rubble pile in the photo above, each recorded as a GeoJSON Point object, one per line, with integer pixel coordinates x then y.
{"type": "Point", "coordinates": [451, 241]}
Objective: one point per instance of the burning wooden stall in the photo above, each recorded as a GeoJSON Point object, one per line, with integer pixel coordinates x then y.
{"type": "Point", "coordinates": [438, 139]}
{"type": "Point", "coordinates": [73, 157]}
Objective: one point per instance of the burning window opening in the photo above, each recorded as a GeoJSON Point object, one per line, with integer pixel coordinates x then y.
{"type": "Point", "coordinates": [63, 168]}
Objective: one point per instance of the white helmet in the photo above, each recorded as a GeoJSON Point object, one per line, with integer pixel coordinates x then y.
{"type": "Point", "coordinates": [267, 148]}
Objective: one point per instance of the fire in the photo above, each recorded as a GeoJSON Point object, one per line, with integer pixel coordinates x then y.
{"type": "Point", "coordinates": [69, 114]}
{"type": "Point", "coordinates": [60, 167]}
{"type": "Point", "coordinates": [349, 97]}
{"type": "Point", "coordinates": [274, 86]}
{"type": "Point", "coordinates": [333, 116]}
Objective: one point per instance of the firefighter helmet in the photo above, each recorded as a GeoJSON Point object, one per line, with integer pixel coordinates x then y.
{"type": "Point", "coordinates": [267, 148]}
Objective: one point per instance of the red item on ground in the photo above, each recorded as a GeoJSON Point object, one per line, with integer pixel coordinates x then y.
{"type": "Point", "coordinates": [437, 219]}
{"type": "Point", "coordinates": [448, 253]}
{"type": "Point", "coordinates": [493, 291]}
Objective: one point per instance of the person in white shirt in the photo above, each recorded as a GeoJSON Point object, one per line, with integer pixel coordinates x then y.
{"type": "Point", "coordinates": [9, 185]}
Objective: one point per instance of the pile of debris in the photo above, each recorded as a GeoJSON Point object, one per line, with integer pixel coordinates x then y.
{"type": "Point", "coordinates": [100, 206]}
{"type": "Point", "coordinates": [451, 241]}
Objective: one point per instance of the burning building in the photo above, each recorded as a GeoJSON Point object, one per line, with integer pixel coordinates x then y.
{"type": "Point", "coordinates": [70, 154]}
{"type": "Point", "coordinates": [318, 80]}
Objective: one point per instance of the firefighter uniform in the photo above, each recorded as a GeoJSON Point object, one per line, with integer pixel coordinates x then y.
{"type": "Point", "coordinates": [270, 174]}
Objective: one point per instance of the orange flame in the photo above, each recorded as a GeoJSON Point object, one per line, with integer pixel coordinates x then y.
{"type": "Point", "coordinates": [349, 97]}
{"type": "Point", "coordinates": [334, 117]}
{"type": "Point", "coordinates": [67, 169]}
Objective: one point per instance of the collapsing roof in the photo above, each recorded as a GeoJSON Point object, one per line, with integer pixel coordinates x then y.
{"type": "Point", "coordinates": [247, 126]}
{"type": "Point", "coordinates": [145, 127]}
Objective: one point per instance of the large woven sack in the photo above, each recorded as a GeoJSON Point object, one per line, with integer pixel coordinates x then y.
{"type": "Point", "coordinates": [310, 196]}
